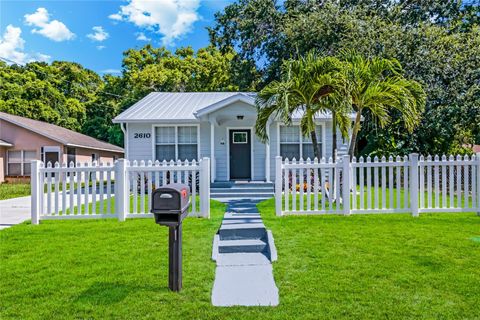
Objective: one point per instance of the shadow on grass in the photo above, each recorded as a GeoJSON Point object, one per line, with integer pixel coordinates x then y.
{"type": "Point", "coordinates": [106, 293]}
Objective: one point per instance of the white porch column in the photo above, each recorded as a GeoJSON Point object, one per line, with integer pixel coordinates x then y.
{"type": "Point", "coordinates": [267, 154]}
{"type": "Point", "coordinates": [213, 172]}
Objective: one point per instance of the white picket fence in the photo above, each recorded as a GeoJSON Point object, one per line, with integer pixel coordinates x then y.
{"type": "Point", "coordinates": [404, 184]}
{"type": "Point", "coordinates": [120, 190]}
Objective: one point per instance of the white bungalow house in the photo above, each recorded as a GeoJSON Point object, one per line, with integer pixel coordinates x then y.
{"type": "Point", "coordinates": [219, 125]}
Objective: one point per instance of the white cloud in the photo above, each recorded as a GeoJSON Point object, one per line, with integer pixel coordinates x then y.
{"type": "Point", "coordinates": [54, 30]}
{"type": "Point", "coordinates": [12, 44]}
{"type": "Point", "coordinates": [98, 34]}
{"type": "Point", "coordinates": [170, 18]}
{"type": "Point", "coordinates": [101, 47]}
{"type": "Point", "coordinates": [115, 16]}
{"type": "Point", "coordinates": [142, 37]}
{"type": "Point", "coordinates": [112, 71]}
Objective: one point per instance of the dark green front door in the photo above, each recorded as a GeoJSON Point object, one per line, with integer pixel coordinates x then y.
{"type": "Point", "coordinates": [240, 154]}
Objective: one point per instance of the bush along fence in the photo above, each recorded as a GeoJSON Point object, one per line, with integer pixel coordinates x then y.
{"type": "Point", "coordinates": [409, 184]}
{"type": "Point", "coordinates": [122, 190]}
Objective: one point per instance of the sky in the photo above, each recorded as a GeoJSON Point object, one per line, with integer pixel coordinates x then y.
{"type": "Point", "coordinates": [95, 33]}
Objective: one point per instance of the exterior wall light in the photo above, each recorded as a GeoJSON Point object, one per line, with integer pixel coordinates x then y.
{"type": "Point", "coordinates": [240, 117]}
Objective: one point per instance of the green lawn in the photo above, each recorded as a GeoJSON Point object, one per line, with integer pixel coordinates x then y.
{"type": "Point", "coordinates": [14, 190]}
{"type": "Point", "coordinates": [364, 266]}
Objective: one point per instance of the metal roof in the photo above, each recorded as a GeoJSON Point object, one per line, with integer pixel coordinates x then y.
{"type": "Point", "coordinates": [189, 106]}
{"type": "Point", "coordinates": [64, 136]}
{"type": "Point", "coordinates": [175, 105]}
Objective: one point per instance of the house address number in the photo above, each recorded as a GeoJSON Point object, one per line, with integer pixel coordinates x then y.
{"type": "Point", "coordinates": [141, 135]}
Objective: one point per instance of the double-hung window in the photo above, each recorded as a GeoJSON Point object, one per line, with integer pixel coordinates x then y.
{"type": "Point", "coordinates": [294, 145]}
{"type": "Point", "coordinates": [176, 143]}
{"type": "Point", "coordinates": [19, 162]}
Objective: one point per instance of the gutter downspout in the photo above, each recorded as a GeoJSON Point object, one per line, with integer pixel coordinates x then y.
{"type": "Point", "coordinates": [124, 128]}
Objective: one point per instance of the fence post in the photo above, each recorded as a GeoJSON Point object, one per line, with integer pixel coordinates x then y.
{"type": "Point", "coordinates": [413, 184]}
{"type": "Point", "coordinates": [477, 157]}
{"type": "Point", "coordinates": [205, 187]}
{"type": "Point", "coordinates": [121, 195]}
{"type": "Point", "coordinates": [346, 184]}
{"type": "Point", "coordinates": [278, 185]}
{"type": "Point", "coordinates": [35, 191]}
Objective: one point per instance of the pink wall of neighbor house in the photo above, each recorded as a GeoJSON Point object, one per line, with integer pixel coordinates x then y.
{"type": "Point", "coordinates": [26, 140]}
{"type": "Point", "coordinates": [23, 139]}
{"type": "Point", "coordinates": [83, 155]}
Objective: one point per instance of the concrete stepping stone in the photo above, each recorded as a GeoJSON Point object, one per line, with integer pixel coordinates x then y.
{"type": "Point", "coordinates": [243, 250]}
{"type": "Point", "coordinates": [244, 285]}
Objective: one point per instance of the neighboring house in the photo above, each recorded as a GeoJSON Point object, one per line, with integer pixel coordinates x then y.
{"type": "Point", "coordinates": [23, 140]}
{"type": "Point", "coordinates": [219, 125]}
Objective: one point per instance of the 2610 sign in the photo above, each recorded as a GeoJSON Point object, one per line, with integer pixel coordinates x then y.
{"type": "Point", "coordinates": [141, 135]}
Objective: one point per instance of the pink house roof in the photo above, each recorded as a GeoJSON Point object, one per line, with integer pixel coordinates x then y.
{"type": "Point", "coordinates": [64, 136]}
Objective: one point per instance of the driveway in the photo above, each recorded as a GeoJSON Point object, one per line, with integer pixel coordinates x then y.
{"type": "Point", "coordinates": [17, 210]}
{"type": "Point", "coordinates": [14, 211]}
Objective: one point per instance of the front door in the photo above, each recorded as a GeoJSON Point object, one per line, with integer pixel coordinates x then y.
{"type": "Point", "coordinates": [240, 154]}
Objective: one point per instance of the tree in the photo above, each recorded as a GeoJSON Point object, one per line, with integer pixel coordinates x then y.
{"type": "Point", "coordinates": [307, 87]}
{"type": "Point", "coordinates": [377, 85]}
{"type": "Point", "coordinates": [436, 42]}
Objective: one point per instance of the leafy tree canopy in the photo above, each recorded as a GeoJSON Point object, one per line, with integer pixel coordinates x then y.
{"type": "Point", "coordinates": [436, 42]}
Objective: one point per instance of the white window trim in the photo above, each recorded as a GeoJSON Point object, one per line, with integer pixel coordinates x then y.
{"type": "Point", "coordinates": [154, 138]}
{"type": "Point", "coordinates": [297, 123]}
{"type": "Point", "coordinates": [21, 162]}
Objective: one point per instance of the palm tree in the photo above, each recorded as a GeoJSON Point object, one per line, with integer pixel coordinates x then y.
{"type": "Point", "coordinates": [307, 87]}
{"type": "Point", "coordinates": [377, 85]}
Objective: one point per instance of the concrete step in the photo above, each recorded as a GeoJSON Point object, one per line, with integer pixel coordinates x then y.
{"type": "Point", "coordinates": [240, 185]}
{"type": "Point", "coordinates": [242, 190]}
{"type": "Point", "coordinates": [266, 195]}
{"type": "Point", "coordinates": [246, 231]}
{"type": "Point", "coordinates": [242, 246]}
{"type": "Point", "coordinates": [242, 259]}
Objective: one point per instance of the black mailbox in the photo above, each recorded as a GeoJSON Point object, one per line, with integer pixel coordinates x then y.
{"type": "Point", "coordinates": [170, 205]}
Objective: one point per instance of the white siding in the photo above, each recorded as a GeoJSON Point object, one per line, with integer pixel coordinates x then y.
{"type": "Point", "coordinates": [139, 148]}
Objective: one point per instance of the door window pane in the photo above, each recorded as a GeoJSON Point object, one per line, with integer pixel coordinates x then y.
{"type": "Point", "coordinates": [240, 137]}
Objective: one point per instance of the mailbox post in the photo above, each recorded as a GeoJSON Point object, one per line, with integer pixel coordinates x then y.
{"type": "Point", "coordinates": [170, 205]}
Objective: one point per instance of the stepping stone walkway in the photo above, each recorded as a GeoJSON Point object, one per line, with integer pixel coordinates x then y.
{"type": "Point", "coordinates": [243, 250]}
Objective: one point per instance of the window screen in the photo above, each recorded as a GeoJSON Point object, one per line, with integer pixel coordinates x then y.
{"type": "Point", "coordinates": [294, 145]}
{"type": "Point", "coordinates": [176, 143]}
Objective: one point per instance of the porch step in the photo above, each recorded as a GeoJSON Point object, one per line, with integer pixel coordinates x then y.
{"type": "Point", "coordinates": [242, 231]}
{"type": "Point", "coordinates": [239, 246]}
{"type": "Point", "coordinates": [263, 195]}
{"type": "Point", "coordinates": [239, 185]}
{"type": "Point", "coordinates": [242, 190]}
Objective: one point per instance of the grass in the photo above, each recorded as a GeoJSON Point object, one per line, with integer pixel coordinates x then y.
{"type": "Point", "coordinates": [357, 267]}
{"type": "Point", "coordinates": [377, 266]}
{"type": "Point", "coordinates": [14, 190]}
{"type": "Point", "coordinates": [397, 194]}
{"type": "Point", "coordinates": [20, 189]}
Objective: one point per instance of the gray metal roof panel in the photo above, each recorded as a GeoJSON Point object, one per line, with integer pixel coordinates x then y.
{"type": "Point", "coordinates": [172, 105]}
